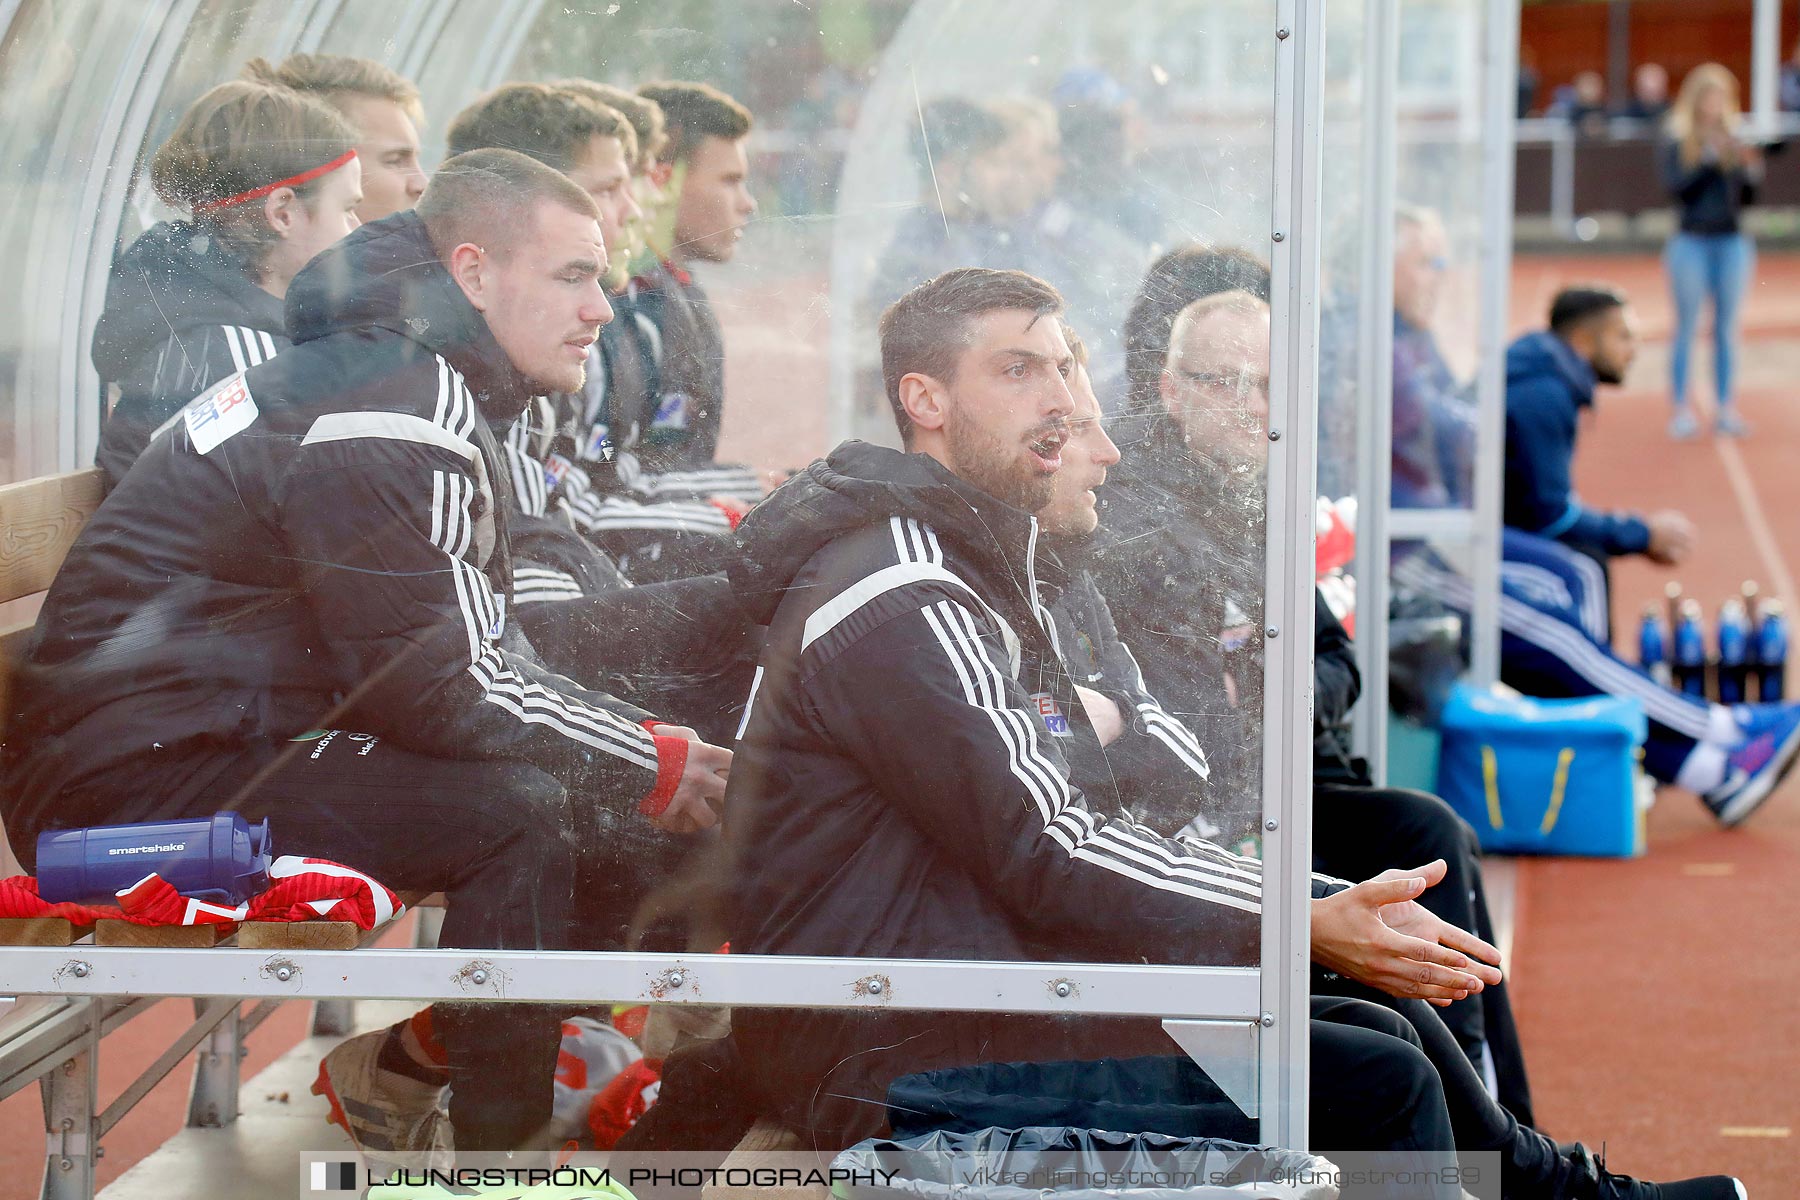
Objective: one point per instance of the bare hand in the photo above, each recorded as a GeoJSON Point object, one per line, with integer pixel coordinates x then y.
{"type": "Point", "coordinates": [1108, 722]}
{"type": "Point", "coordinates": [1377, 934]}
{"type": "Point", "coordinates": [1671, 537]}
{"type": "Point", "coordinates": [700, 796]}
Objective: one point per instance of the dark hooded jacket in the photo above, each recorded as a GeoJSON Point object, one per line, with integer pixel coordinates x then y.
{"type": "Point", "coordinates": [1547, 386]}
{"type": "Point", "coordinates": [316, 542]}
{"type": "Point", "coordinates": [1157, 764]}
{"type": "Point", "coordinates": [181, 314]}
{"type": "Point", "coordinates": [630, 455]}
{"type": "Point", "coordinates": [1180, 558]}
{"type": "Point", "coordinates": [903, 784]}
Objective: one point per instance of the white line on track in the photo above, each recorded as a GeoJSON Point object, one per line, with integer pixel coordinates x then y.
{"type": "Point", "coordinates": [1775, 567]}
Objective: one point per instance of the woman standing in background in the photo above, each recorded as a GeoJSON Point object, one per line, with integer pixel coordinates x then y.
{"type": "Point", "coordinates": [1712, 173]}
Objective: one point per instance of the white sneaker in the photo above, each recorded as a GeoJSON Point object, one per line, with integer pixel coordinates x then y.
{"type": "Point", "coordinates": [384, 1112]}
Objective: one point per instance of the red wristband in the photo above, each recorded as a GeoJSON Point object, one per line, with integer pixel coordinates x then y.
{"type": "Point", "coordinates": [671, 761]}
{"type": "Point", "coordinates": [731, 514]}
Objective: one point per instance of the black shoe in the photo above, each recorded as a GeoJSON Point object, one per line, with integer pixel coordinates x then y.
{"type": "Point", "coordinates": [1582, 1175]}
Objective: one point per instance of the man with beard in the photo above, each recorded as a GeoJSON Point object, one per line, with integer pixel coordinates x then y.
{"type": "Point", "coordinates": [903, 788]}
{"type": "Point", "coordinates": [1551, 375]}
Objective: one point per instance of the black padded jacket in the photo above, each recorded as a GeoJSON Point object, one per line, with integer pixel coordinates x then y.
{"type": "Point", "coordinates": [317, 541]}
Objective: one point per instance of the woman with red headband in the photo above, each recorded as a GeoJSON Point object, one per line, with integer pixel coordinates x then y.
{"type": "Point", "coordinates": [270, 178]}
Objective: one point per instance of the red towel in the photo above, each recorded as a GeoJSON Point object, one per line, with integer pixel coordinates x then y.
{"type": "Point", "coordinates": [300, 889]}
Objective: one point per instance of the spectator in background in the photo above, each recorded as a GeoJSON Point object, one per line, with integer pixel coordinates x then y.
{"type": "Point", "coordinates": [271, 177]}
{"type": "Point", "coordinates": [968, 200]}
{"type": "Point", "coordinates": [1583, 104]}
{"type": "Point", "coordinates": [1083, 251]}
{"type": "Point", "coordinates": [1649, 101]}
{"type": "Point", "coordinates": [1528, 82]}
{"type": "Point", "coordinates": [1712, 173]}
{"type": "Point", "coordinates": [1788, 84]}
{"type": "Point", "coordinates": [381, 105]}
{"type": "Point", "coordinates": [1103, 132]}
{"type": "Point", "coordinates": [1551, 376]}
{"type": "Point", "coordinates": [1433, 416]}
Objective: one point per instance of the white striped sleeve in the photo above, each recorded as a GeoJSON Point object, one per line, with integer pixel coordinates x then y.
{"type": "Point", "coordinates": [1114, 846]}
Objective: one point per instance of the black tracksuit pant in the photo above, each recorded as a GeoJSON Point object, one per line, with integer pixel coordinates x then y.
{"type": "Point", "coordinates": [1360, 831]}
{"type": "Point", "coordinates": [524, 862]}
{"type": "Point", "coordinates": [1373, 1089]}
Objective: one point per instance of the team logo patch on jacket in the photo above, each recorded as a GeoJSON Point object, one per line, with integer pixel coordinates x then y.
{"type": "Point", "coordinates": [223, 412]}
{"type": "Point", "coordinates": [672, 412]}
{"type": "Point", "coordinates": [1051, 714]}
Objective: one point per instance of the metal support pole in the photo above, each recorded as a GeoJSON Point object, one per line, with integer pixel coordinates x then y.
{"type": "Point", "coordinates": [1618, 50]}
{"type": "Point", "coordinates": [71, 1127]}
{"type": "Point", "coordinates": [1562, 179]}
{"type": "Point", "coordinates": [1375, 382]}
{"type": "Point", "coordinates": [1499, 77]}
{"type": "Point", "coordinates": [1292, 491]}
{"type": "Point", "coordinates": [333, 1018]}
{"type": "Point", "coordinates": [1765, 64]}
{"type": "Point", "coordinates": [427, 923]}
{"type": "Point", "coordinates": [213, 1100]}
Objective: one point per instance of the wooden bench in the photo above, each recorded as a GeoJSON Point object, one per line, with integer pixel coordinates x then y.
{"type": "Point", "coordinates": [55, 1041]}
{"type": "Point", "coordinates": [39, 521]}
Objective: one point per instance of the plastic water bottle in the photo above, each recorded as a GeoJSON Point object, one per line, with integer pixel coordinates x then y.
{"type": "Point", "coordinates": [1733, 636]}
{"type": "Point", "coordinates": [1753, 615]}
{"type": "Point", "coordinates": [1653, 645]}
{"type": "Point", "coordinates": [221, 858]}
{"type": "Point", "coordinates": [1771, 651]}
{"type": "Point", "coordinates": [1690, 650]}
{"type": "Point", "coordinates": [1672, 596]}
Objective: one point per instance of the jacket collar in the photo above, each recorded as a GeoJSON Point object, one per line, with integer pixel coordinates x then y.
{"type": "Point", "coordinates": [387, 275]}
{"type": "Point", "coordinates": [858, 485]}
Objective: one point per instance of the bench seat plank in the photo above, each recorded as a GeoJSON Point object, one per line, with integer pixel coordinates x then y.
{"type": "Point", "coordinates": [40, 931]}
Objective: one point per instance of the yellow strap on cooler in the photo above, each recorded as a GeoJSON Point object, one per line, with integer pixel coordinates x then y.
{"type": "Point", "coordinates": [1557, 786]}
{"type": "Point", "coordinates": [1490, 782]}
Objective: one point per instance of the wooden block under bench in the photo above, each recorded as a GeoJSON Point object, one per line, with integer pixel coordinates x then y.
{"type": "Point", "coordinates": [299, 935]}
{"type": "Point", "coordinates": [179, 937]}
{"type": "Point", "coordinates": [40, 931]}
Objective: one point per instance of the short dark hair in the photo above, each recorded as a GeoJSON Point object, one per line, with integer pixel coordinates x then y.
{"type": "Point", "coordinates": [644, 114]}
{"type": "Point", "coordinates": [489, 196]}
{"type": "Point", "coordinates": [1574, 306]}
{"type": "Point", "coordinates": [952, 129]}
{"type": "Point", "coordinates": [551, 124]}
{"type": "Point", "coordinates": [1077, 348]}
{"type": "Point", "coordinates": [693, 112]}
{"type": "Point", "coordinates": [926, 330]}
{"type": "Point", "coordinates": [332, 77]}
{"type": "Point", "coordinates": [1174, 281]}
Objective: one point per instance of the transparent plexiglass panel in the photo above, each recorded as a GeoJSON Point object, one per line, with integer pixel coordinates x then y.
{"type": "Point", "coordinates": [996, 700]}
{"type": "Point", "coordinates": [1437, 250]}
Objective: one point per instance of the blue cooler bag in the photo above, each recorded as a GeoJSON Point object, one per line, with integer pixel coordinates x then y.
{"type": "Point", "coordinates": [1545, 776]}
